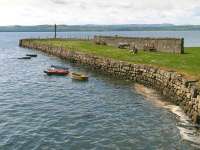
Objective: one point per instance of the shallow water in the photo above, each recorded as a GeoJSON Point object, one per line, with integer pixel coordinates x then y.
{"type": "Point", "coordinates": [188, 131]}
{"type": "Point", "coordinates": [42, 112]}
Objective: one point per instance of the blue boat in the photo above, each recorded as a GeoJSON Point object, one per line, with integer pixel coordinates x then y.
{"type": "Point", "coordinates": [59, 67]}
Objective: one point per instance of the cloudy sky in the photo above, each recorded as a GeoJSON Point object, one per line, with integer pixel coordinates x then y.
{"type": "Point", "coordinates": [34, 12]}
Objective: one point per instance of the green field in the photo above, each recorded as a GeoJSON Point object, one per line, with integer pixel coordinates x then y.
{"type": "Point", "coordinates": [188, 63]}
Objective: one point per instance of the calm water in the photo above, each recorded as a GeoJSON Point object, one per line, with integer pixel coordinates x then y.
{"type": "Point", "coordinates": [192, 38]}
{"type": "Point", "coordinates": [55, 113]}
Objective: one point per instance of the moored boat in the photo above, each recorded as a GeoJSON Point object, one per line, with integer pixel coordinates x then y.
{"type": "Point", "coordinates": [31, 55]}
{"type": "Point", "coordinates": [61, 72]}
{"type": "Point", "coordinates": [79, 76]}
{"type": "Point", "coordinates": [26, 57]}
{"type": "Point", "coordinates": [59, 67]}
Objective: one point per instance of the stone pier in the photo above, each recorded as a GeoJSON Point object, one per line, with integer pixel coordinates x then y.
{"type": "Point", "coordinates": [170, 84]}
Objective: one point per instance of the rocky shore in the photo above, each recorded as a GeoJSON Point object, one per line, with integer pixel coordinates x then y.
{"type": "Point", "coordinates": [174, 86]}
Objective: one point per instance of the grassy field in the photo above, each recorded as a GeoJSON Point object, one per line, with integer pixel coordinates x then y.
{"type": "Point", "coordinates": [188, 63]}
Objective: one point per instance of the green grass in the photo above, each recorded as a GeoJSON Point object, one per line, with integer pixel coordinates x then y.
{"type": "Point", "coordinates": [188, 63]}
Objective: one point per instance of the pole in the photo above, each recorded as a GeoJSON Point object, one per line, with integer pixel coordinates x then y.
{"type": "Point", "coordinates": [55, 30]}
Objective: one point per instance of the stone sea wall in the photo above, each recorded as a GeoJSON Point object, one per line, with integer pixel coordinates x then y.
{"type": "Point", "coordinates": [172, 85]}
{"type": "Point", "coordinates": [169, 45]}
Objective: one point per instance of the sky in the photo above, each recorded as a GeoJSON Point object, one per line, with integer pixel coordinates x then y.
{"type": "Point", "coordinates": [73, 12]}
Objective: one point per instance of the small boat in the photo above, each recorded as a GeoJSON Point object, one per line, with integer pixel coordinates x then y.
{"type": "Point", "coordinates": [60, 72]}
{"type": "Point", "coordinates": [79, 76]}
{"type": "Point", "coordinates": [59, 67]}
{"type": "Point", "coordinates": [31, 55]}
{"type": "Point", "coordinates": [26, 57]}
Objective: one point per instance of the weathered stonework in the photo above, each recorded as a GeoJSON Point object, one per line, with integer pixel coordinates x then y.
{"type": "Point", "coordinates": [171, 84]}
{"type": "Point", "coordinates": [169, 45]}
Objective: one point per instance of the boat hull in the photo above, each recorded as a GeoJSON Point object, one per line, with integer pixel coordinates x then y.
{"type": "Point", "coordinates": [24, 57]}
{"type": "Point", "coordinates": [57, 72]}
{"type": "Point", "coordinates": [31, 55]}
{"type": "Point", "coordinates": [80, 77]}
{"type": "Point", "coordinates": [59, 67]}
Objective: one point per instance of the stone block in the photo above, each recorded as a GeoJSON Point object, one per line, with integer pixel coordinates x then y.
{"type": "Point", "coordinates": [198, 102]}
{"type": "Point", "coordinates": [194, 92]}
{"type": "Point", "coordinates": [196, 118]}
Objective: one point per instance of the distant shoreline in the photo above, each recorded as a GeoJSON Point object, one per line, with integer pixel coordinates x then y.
{"type": "Point", "coordinates": [100, 28]}
{"type": "Point", "coordinates": [106, 31]}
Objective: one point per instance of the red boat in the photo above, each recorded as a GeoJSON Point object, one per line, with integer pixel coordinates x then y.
{"type": "Point", "coordinates": [60, 72]}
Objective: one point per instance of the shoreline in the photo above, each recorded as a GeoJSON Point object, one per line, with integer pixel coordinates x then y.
{"type": "Point", "coordinates": [170, 84]}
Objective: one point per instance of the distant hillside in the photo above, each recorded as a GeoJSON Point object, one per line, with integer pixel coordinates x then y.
{"type": "Point", "coordinates": [129, 27]}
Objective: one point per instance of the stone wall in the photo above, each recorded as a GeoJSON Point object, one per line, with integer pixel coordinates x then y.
{"type": "Point", "coordinates": [171, 84]}
{"type": "Point", "coordinates": [170, 45]}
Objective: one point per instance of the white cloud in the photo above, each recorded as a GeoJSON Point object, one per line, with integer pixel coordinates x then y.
{"type": "Point", "coordinates": [31, 12]}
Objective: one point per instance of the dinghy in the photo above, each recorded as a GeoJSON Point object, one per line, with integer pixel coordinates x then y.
{"type": "Point", "coordinates": [59, 67]}
{"type": "Point", "coordinates": [79, 76]}
{"type": "Point", "coordinates": [27, 57]}
{"type": "Point", "coordinates": [60, 72]}
{"type": "Point", "coordinates": [31, 55]}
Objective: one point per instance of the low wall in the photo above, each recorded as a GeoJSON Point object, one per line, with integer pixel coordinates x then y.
{"type": "Point", "coordinates": [170, 45]}
{"type": "Point", "coordinates": [171, 84]}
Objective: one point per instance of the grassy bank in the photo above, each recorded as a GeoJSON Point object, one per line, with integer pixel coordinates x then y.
{"type": "Point", "coordinates": [188, 63]}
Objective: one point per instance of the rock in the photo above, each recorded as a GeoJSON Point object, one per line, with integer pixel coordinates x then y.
{"type": "Point", "coordinates": [196, 118]}
{"type": "Point", "coordinates": [198, 99]}
{"type": "Point", "coordinates": [188, 95]}
{"type": "Point", "coordinates": [194, 92]}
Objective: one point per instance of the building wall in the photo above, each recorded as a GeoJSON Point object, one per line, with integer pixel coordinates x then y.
{"type": "Point", "coordinates": [170, 45]}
